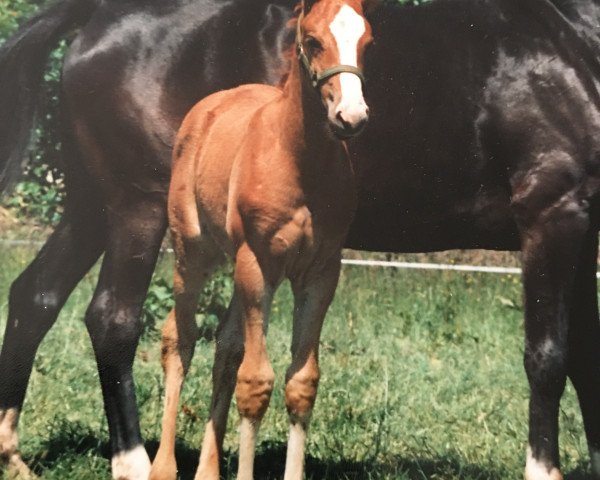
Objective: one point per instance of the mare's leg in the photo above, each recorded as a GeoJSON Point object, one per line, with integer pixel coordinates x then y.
{"type": "Point", "coordinates": [36, 298]}
{"type": "Point", "coordinates": [312, 298]}
{"type": "Point", "coordinates": [553, 223]}
{"type": "Point", "coordinates": [136, 228]}
{"type": "Point", "coordinates": [584, 347]}
{"type": "Point", "coordinates": [255, 375]}
{"type": "Point", "coordinates": [196, 258]}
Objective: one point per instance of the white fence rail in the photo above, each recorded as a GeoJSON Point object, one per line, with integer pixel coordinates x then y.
{"type": "Point", "coordinates": [431, 266]}
{"type": "Point", "coordinates": [362, 263]}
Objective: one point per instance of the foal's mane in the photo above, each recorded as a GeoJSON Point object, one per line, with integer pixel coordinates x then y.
{"type": "Point", "coordinates": [289, 54]}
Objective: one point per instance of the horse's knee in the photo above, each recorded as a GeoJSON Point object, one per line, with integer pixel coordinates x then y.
{"type": "Point", "coordinates": [253, 391]}
{"type": "Point", "coordinates": [546, 366]}
{"type": "Point", "coordinates": [26, 304]}
{"type": "Point", "coordinates": [113, 327]}
{"type": "Point", "coordinates": [301, 392]}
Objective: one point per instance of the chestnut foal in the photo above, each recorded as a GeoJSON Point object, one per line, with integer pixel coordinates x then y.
{"type": "Point", "coordinates": [259, 174]}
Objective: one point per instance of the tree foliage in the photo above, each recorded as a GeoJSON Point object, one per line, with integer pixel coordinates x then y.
{"type": "Point", "coordinates": [39, 194]}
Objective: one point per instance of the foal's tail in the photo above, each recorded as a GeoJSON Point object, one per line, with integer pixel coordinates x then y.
{"type": "Point", "coordinates": [22, 62]}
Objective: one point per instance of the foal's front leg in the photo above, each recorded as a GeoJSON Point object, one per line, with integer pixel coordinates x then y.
{"type": "Point", "coordinates": [312, 297]}
{"type": "Point", "coordinates": [254, 384]}
{"type": "Point", "coordinates": [255, 376]}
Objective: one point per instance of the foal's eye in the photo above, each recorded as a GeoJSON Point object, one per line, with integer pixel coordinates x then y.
{"type": "Point", "coordinates": [312, 45]}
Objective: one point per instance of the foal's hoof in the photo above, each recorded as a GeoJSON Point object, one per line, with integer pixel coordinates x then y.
{"type": "Point", "coordinates": [17, 469]}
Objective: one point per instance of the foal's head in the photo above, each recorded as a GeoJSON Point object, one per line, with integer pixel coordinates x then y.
{"type": "Point", "coordinates": [331, 38]}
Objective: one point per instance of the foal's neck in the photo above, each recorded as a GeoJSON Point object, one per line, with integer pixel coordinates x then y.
{"type": "Point", "coordinates": [304, 119]}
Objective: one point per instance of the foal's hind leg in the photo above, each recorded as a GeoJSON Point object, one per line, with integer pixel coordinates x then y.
{"type": "Point", "coordinates": [196, 259]}
{"type": "Point", "coordinates": [553, 223]}
{"type": "Point", "coordinates": [137, 226]}
{"type": "Point", "coordinates": [584, 347]}
{"type": "Point", "coordinates": [229, 351]}
{"type": "Point", "coordinates": [312, 298]}
{"type": "Point", "coordinates": [36, 298]}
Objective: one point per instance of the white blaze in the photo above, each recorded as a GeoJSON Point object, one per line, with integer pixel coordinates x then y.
{"type": "Point", "coordinates": [347, 27]}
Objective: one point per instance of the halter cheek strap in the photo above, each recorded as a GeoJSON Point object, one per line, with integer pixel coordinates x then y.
{"type": "Point", "coordinates": [317, 78]}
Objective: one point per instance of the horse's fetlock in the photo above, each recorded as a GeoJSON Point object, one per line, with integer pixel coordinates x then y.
{"type": "Point", "coordinates": [300, 394]}
{"type": "Point", "coordinates": [132, 464]}
{"type": "Point", "coordinates": [536, 469]}
{"type": "Point", "coordinates": [8, 445]}
{"type": "Point", "coordinates": [9, 439]}
{"type": "Point", "coordinates": [253, 394]}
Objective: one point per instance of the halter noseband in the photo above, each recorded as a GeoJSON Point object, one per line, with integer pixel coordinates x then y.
{"type": "Point", "coordinates": [317, 78]}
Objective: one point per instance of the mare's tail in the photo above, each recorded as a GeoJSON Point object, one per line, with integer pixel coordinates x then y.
{"type": "Point", "coordinates": [22, 62]}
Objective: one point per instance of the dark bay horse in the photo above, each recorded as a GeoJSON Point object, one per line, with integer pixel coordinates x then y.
{"type": "Point", "coordinates": [262, 174]}
{"type": "Point", "coordinates": [483, 134]}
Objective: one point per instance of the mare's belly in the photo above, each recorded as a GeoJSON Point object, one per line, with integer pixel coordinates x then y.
{"type": "Point", "coordinates": [482, 221]}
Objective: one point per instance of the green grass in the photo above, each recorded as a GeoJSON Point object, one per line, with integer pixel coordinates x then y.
{"type": "Point", "coordinates": [422, 379]}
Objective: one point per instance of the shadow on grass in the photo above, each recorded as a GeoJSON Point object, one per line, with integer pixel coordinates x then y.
{"type": "Point", "coordinates": [73, 441]}
{"type": "Point", "coordinates": [67, 440]}
{"type": "Point", "coordinates": [270, 464]}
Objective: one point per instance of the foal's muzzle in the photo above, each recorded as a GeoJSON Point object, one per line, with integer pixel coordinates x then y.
{"type": "Point", "coordinates": [350, 121]}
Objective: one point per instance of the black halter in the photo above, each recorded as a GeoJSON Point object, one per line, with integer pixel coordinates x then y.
{"type": "Point", "coordinates": [319, 78]}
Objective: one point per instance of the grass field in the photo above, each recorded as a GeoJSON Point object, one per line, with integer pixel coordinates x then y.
{"type": "Point", "coordinates": [422, 379]}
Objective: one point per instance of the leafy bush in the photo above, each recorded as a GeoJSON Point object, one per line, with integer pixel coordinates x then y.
{"type": "Point", "coordinates": [212, 304]}
{"type": "Point", "coordinates": [39, 195]}
{"type": "Point", "coordinates": [11, 11]}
